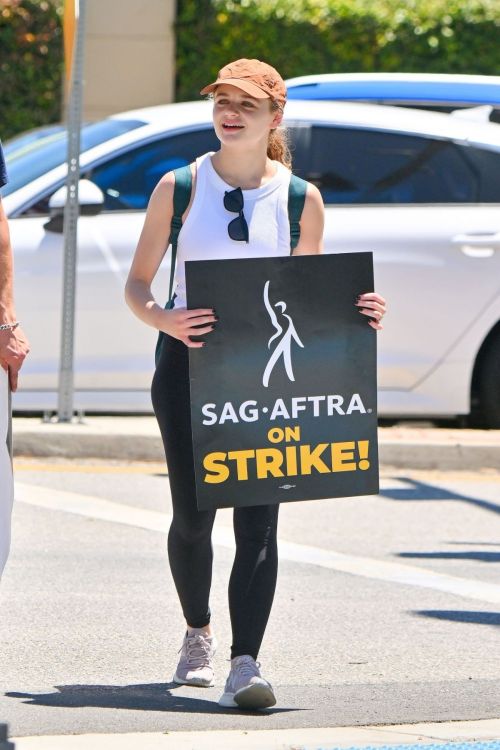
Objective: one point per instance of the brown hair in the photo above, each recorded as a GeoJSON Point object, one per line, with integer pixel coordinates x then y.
{"type": "Point", "coordinates": [277, 145]}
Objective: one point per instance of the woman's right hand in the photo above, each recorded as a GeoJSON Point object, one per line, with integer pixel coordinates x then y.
{"type": "Point", "coordinates": [181, 324]}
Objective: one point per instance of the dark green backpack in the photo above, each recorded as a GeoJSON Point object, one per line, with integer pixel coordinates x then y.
{"type": "Point", "coordinates": [182, 196]}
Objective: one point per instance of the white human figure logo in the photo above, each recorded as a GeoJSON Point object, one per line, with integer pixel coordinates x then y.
{"type": "Point", "coordinates": [283, 347]}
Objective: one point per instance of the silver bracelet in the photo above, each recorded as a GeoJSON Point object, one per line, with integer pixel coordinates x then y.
{"type": "Point", "coordinates": [9, 326]}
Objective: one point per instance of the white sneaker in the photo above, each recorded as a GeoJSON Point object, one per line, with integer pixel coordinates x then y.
{"type": "Point", "coordinates": [195, 665]}
{"type": "Point", "coordinates": [245, 687]}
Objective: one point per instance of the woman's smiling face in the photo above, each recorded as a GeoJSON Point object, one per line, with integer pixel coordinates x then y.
{"type": "Point", "coordinates": [241, 117]}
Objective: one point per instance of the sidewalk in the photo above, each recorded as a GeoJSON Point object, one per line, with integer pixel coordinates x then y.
{"type": "Point", "coordinates": [137, 438]}
{"type": "Point", "coordinates": [466, 735]}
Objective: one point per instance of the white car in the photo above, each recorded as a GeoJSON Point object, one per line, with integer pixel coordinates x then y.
{"type": "Point", "coordinates": [442, 92]}
{"type": "Point", "coordinates": [419, 189]}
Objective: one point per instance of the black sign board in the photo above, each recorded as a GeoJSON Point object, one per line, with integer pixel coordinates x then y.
{"type": "Point", "coordinates": [283, 395]}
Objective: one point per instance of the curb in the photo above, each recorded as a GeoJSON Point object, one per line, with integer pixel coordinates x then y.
{"type": "Point", "coordinates": [459, 735]}
{"type": "Point", "coordinates": [113, 447]}
{"type": "Point", "coordinates": [138, 439]}
{"type": "Point", "coordinates": [453, 457]}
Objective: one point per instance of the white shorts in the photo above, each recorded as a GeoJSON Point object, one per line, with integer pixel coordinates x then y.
{"type": "Point", "coordinates": [6, 478]}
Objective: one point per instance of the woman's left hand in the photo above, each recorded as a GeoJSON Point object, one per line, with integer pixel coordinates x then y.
{"type": "Point", "coordinates": [373, 306]}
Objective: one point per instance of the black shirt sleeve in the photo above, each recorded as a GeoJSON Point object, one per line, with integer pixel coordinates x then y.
{"type": "Point", "coordinates": [3, 170]}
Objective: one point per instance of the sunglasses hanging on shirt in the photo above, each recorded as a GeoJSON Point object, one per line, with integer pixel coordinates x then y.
{"type": "Point", "coordinates": [237, 229]}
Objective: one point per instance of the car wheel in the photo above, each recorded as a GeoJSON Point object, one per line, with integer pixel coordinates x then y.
{"type": "Point", "coordinates": [488, 387]}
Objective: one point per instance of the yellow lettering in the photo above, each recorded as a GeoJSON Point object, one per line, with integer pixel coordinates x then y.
{"type": "Point", "coordinates": [343, 457]}
{"type": "Point", "coordinates": [363, 447]}
{"type": "Point", "coordinates": [292, 433]}
{"type": "Point", "coordinates": [275, 435]}
{"type": "Point", "coordinates": [214, 462]}
{"type": "Point", "coordinates": [273, 462]}
{"type": "Point", "coordinates": [310, 459]}
{"type": "Point", "coordinates": [291, 460]}
{"type": "Point", "coordinates": [269, 461]}
{"type": "Point", "coordinates": [241, 458]}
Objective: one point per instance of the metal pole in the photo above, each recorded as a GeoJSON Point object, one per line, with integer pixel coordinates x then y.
{"type": "Point", "coordinates": [71, 210]}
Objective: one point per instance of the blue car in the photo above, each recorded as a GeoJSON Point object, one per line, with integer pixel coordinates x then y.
{"type": "Point", "coordinates": [441, 92]}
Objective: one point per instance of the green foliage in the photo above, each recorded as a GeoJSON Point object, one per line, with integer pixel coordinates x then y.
{"type": "Point", "coordinates": [297, 36]}
{"type": "Point", "coordinates": [336, 36]}
{"type": "Point", "coordinates": [31, 64]}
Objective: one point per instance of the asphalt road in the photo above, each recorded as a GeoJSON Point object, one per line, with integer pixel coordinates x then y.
{"type": "Point", "coordinates": [387, 608]}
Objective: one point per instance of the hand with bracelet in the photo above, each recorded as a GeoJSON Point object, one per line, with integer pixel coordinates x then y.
{"type": "Point", "coordinates": [13, 350]}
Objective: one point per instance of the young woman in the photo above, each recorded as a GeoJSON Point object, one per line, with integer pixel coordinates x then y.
{"type": "Point", "coordinates": [249, 97]}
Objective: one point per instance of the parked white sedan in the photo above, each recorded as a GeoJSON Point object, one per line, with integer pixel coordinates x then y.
{"type": "Point", "coordinates": [419, 189]}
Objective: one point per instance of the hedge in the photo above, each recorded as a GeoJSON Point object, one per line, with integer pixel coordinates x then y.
{"type": "Point", "coordinates": [329, 36]}
{"type": "Point", "coordinates": [297, 36]}
{"type": "Point", "coordinates": [31, 64]}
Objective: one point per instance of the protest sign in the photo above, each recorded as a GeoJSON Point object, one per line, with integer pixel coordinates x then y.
{"type": "Point", "coordinates": [283, 394]}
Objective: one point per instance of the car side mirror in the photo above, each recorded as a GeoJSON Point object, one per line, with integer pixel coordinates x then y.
{"type": "Point", "coordinates": [90, 201]}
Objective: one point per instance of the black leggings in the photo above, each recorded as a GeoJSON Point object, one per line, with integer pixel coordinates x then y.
{"type": "Point", "coordinates": [253, 577]}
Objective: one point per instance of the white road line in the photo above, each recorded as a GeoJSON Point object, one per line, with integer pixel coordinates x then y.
{"type": "Point", "coordinates": [91, 507]}
{"type": "Point", "coordinates": [106, 510]}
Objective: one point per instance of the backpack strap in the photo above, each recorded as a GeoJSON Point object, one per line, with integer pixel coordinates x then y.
{"type": "Point", "coordinates": [182, 196]}
{"type": "Point", "coordinates": [296, 200]}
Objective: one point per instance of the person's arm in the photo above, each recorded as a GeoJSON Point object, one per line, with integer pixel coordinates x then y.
{"type": "Point", "coordinates": [181, 324]}
{"type": "Point", "coordinates": [370, 304]}
{"type": "Point", "coordinates": [6, 271]}
{"type": "Point", "coordinates": [13, 343]}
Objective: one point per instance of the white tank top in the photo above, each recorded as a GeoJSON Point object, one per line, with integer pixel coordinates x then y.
{"type": "Point", "coordinates": [204, 235]}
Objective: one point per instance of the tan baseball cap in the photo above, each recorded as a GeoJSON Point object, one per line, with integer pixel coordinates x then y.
{"type": "Point", "coordinates": [255, 77]}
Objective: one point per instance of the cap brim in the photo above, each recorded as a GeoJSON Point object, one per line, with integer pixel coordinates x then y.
{"type": "Point", "coordinates": [247, 86]}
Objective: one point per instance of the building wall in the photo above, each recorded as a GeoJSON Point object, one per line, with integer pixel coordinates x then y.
{"type": "Point", "coordinates": [129, 55]}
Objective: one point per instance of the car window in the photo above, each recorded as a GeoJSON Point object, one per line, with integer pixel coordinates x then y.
{"type": "Point", "coordinates": [19, 142]}
{"type": "Point", "coordinates": [368, 166]}
{"type": "Point", "coordinates": [128, 180]}
{"type": "Point", "coordinates": [487, 164]}
{"type": "Point", "coordinates": [36, 156]}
